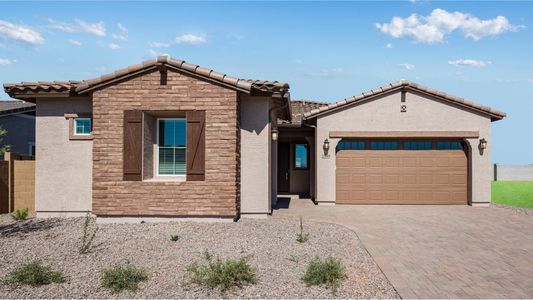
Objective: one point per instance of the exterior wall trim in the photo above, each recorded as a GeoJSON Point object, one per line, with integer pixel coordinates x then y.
{"type": "Point", "coordinates": [403, 134]}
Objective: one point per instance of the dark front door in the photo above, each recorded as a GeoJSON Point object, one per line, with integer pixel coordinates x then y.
{"type": "Point", "coordinates": [283, 166]}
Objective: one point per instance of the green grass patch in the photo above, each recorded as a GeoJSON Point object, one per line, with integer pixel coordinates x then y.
{"type": "Point", "coordinates": [513, 193]}
{"type": "Point", "coordinates": [222, 274]}
{"type": "Point", "coordinates": [34, 274]}
{"type": "Point", "coordinates": [123, 277]}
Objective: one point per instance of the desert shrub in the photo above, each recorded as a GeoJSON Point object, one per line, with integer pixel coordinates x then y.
{"type": "Point", "coordinates": [302, 236]}
{"type": "Point", "coordinates": [87, 238]}
{"type": "Point", "coordinates": [174, 237]}
{"type": "Point", "coordinates": [295, 258]}
{"type": "Point", "coordinates": [329, 272]}
{"type": "Point", "coordinates": [123, 276]}
{"type": "Point", "coordinates": [222, 274]}
{"type": "Point", "coordinates": [34, 274]}
{"type": "Point", "coordinates": [20, 214]}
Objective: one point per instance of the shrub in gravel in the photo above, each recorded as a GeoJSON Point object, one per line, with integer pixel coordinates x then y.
{"type": "Point", "coordinates": [329, 272]}
{"type": "Point", "coordinates": [123, 277]}
{"type": "Point", "coordinates": [20, 214]}
{"type": "Point", "coordinates": [87, 239]}
{"type": "Point", "coordinates": [34, 274]}
{"type": "Point", "coordinates": [302, 236]}
{"type": "Point", "coordinates": [222, 274]}
{"type": "Point", "coordinates": [174, 237]}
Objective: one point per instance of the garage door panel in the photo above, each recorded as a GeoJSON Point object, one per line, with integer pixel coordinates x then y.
{"type": "Point", "coordinates": [401, 177]}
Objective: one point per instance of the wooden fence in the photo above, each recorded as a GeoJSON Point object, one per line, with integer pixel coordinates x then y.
{"type": "Point", "coordinates": [17, 183]}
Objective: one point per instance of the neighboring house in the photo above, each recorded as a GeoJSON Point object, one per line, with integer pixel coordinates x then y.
{"type": "Point", "coordinates": [18, 118]}
{"type": "Point", "coordinates": [165, 138]}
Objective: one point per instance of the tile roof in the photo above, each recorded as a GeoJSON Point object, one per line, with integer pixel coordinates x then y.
{"type": "Point", "coordinates": [15, 106]}
{"type": "Point", "coordinates": [300, 107]}
{"type": "Point", "coordinates": [405, 84]}
{"type": "Point", "coordinates": [80, 87]}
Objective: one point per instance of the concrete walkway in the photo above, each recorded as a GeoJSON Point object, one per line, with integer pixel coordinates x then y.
{"type": "Point", "coordinates": [439, 251]}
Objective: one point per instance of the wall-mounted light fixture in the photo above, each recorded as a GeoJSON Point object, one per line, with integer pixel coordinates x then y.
{"type": "Point", "coordinates": [483, 144]}
{"type": "Point", "coordinates": [275, 133]}
{"type": "Point", "coordinates": [325, 147]}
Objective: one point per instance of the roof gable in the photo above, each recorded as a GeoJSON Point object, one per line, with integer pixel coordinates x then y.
{"type": "Point", "coordinates": [29, 90]}
{"type": "Point", "coordinates": [406, 85]}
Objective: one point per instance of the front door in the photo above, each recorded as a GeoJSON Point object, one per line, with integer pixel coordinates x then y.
{"type": "Point", "coordinates": [283, 166]}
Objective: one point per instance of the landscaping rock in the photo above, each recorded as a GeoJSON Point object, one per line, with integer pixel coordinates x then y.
{"type": "Point", "coordinates": [271, 243]}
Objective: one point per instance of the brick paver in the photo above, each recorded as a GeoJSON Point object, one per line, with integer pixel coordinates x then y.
{"type": "Point", "coordinates": [439, 251]}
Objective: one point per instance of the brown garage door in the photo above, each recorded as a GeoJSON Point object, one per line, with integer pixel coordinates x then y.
{"type": "Point", "coordinates": [401, 177]}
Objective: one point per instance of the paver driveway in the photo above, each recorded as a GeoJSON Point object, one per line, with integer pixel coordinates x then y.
{"type": "Point", "coordinates": [439, 251]}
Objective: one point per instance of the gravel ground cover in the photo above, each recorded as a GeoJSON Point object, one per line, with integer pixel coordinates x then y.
{"type": "Point", "coordinates": [279, 259]}
{"type": "Point", "coordinates": [518, 210]}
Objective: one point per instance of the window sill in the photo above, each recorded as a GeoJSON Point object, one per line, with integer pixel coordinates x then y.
{"type": "Point", "coordinates": [167, 179]}
{"type": "Point", "coordinates": [74, 137]}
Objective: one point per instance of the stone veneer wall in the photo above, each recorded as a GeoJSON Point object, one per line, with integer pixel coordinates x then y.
{"type": "Point", "coordinates": [214, 197]}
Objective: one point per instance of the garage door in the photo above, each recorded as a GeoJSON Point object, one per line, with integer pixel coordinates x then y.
{"type": "Point", "coordinates": [375, 172]}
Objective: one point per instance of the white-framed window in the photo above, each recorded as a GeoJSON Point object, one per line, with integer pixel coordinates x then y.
{"type": "Point", "coordinates": [171, 150]}
{"type": "Point", "coordinates": [83, 126]}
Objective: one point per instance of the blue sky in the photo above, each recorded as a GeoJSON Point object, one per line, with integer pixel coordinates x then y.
{"type": "Point", "coordinates": [326, 50]}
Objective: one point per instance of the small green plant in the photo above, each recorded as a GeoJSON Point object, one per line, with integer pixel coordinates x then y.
{"type": "Point", "coordinates": [174, 237]}
{"type": "Point", "coordinates": [20, 214]}
{"type": "Point", "coordinates": [295, 258]}
{"type": "Point", "coordinates": [34, 274]}
{"type": "Point", "coordinates": [222, 274]}
{"type": "Point", "coordinates": [123, 276]}
{"type": "Point", "coordinates": [329, 272]}
{"type": "Point", "coordinates": [87, 239]}
{"type": "Point", "coordinates": [302, 236]}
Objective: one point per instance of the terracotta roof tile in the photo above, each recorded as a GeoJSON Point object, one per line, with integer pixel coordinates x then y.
{"type": "Point", "coordinates": [15, 106]}
{"type": "Point", "coordinates": [84, 86]}
{"type": "Point", "coordinates": [493, 113]}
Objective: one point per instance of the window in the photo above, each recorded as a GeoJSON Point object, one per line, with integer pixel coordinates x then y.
{"type": "Point", "coordinates": [300, 156]}
{"type": "Point", "coordinates": [83, 126]}
{"type": "Point", "coordinates": [418, 145]}
{"type": "Point", "coordinates": [171, 146]}
{"type": "Point", "coordinates": [351, 145]}
{"type": "Point", "coordinates": [449, 145]}
{"type": "Point", "coordinates": [384, 145]}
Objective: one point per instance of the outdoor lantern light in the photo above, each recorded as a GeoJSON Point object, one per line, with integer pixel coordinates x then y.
{"type": "Point", "coordinates": [483, 144]}
{"type": "Point", "coordinates": [274, 134]}
{"type": "Point", "coordinates": [326, 147]}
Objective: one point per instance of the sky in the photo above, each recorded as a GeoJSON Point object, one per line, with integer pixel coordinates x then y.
{"type": "Point", "coordinates": [326, 51]}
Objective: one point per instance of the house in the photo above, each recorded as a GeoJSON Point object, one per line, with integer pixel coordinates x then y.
{"type": "Point", "coordinates": [18, 119]}
{"type": "Point", "coordinates": [166, 138]}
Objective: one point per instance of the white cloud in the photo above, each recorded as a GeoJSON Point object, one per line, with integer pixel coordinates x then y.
{"type": "Point", "coordinates": [407, 66]}
{"type": "Point", "coordinates": [114, 46]}
{"type": "Point", "coordinates": [469, 63]}
{"type": "Point", "coordinates": [94, 28]}
{"type": "Point", "coordinates": [388, 46]}
{"type": "Point", "coordinates": [191, 39]}
{"type": "Point", "coordinates": [75, 42]}
{"type": "Point", "coordinates": [434, 27]}
{"type": "Point", "coordinates": [123, 33]}
{"type": "Point", "coordinates": [4, 62]}
{"type": "Point", "coordinates": [101, 69]}
{"type": "Point", "coordinates": [97, 29]}
{"type": "Point", "coordinates": [159, 45]}
{"type": "Point", "coordinates": [327, 73]}
{"type": "Point", "coordinates": [20, 33]}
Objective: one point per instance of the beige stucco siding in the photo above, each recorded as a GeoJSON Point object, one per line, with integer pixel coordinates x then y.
{"type": "Point", "coordinates": [423, 114]}
{"type": "Point", "coordinates": [63, 168]}
{"type": "Point", "coordinates": [255, 155]}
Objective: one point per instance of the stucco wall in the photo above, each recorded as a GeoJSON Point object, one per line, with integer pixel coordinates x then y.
{"type": "Point", "coordinates": [63, 168]}
{"type": "Point", "coordinates": [255, 156]}
{"type": "Point", "coordinates": [423, 114]}
{"type": "Point", "coordinates": [20, 132]}
{"type": "Point", "coordinates": [513, 172]}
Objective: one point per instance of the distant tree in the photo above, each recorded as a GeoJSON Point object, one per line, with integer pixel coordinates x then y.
{"type": "Point", "coordinates": [3, 147]}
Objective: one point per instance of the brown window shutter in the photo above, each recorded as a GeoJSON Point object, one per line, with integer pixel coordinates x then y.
{"type": "Point", "coordinates": [132, 145]}
{"type": "Point", "coordinates": [195, 145]}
